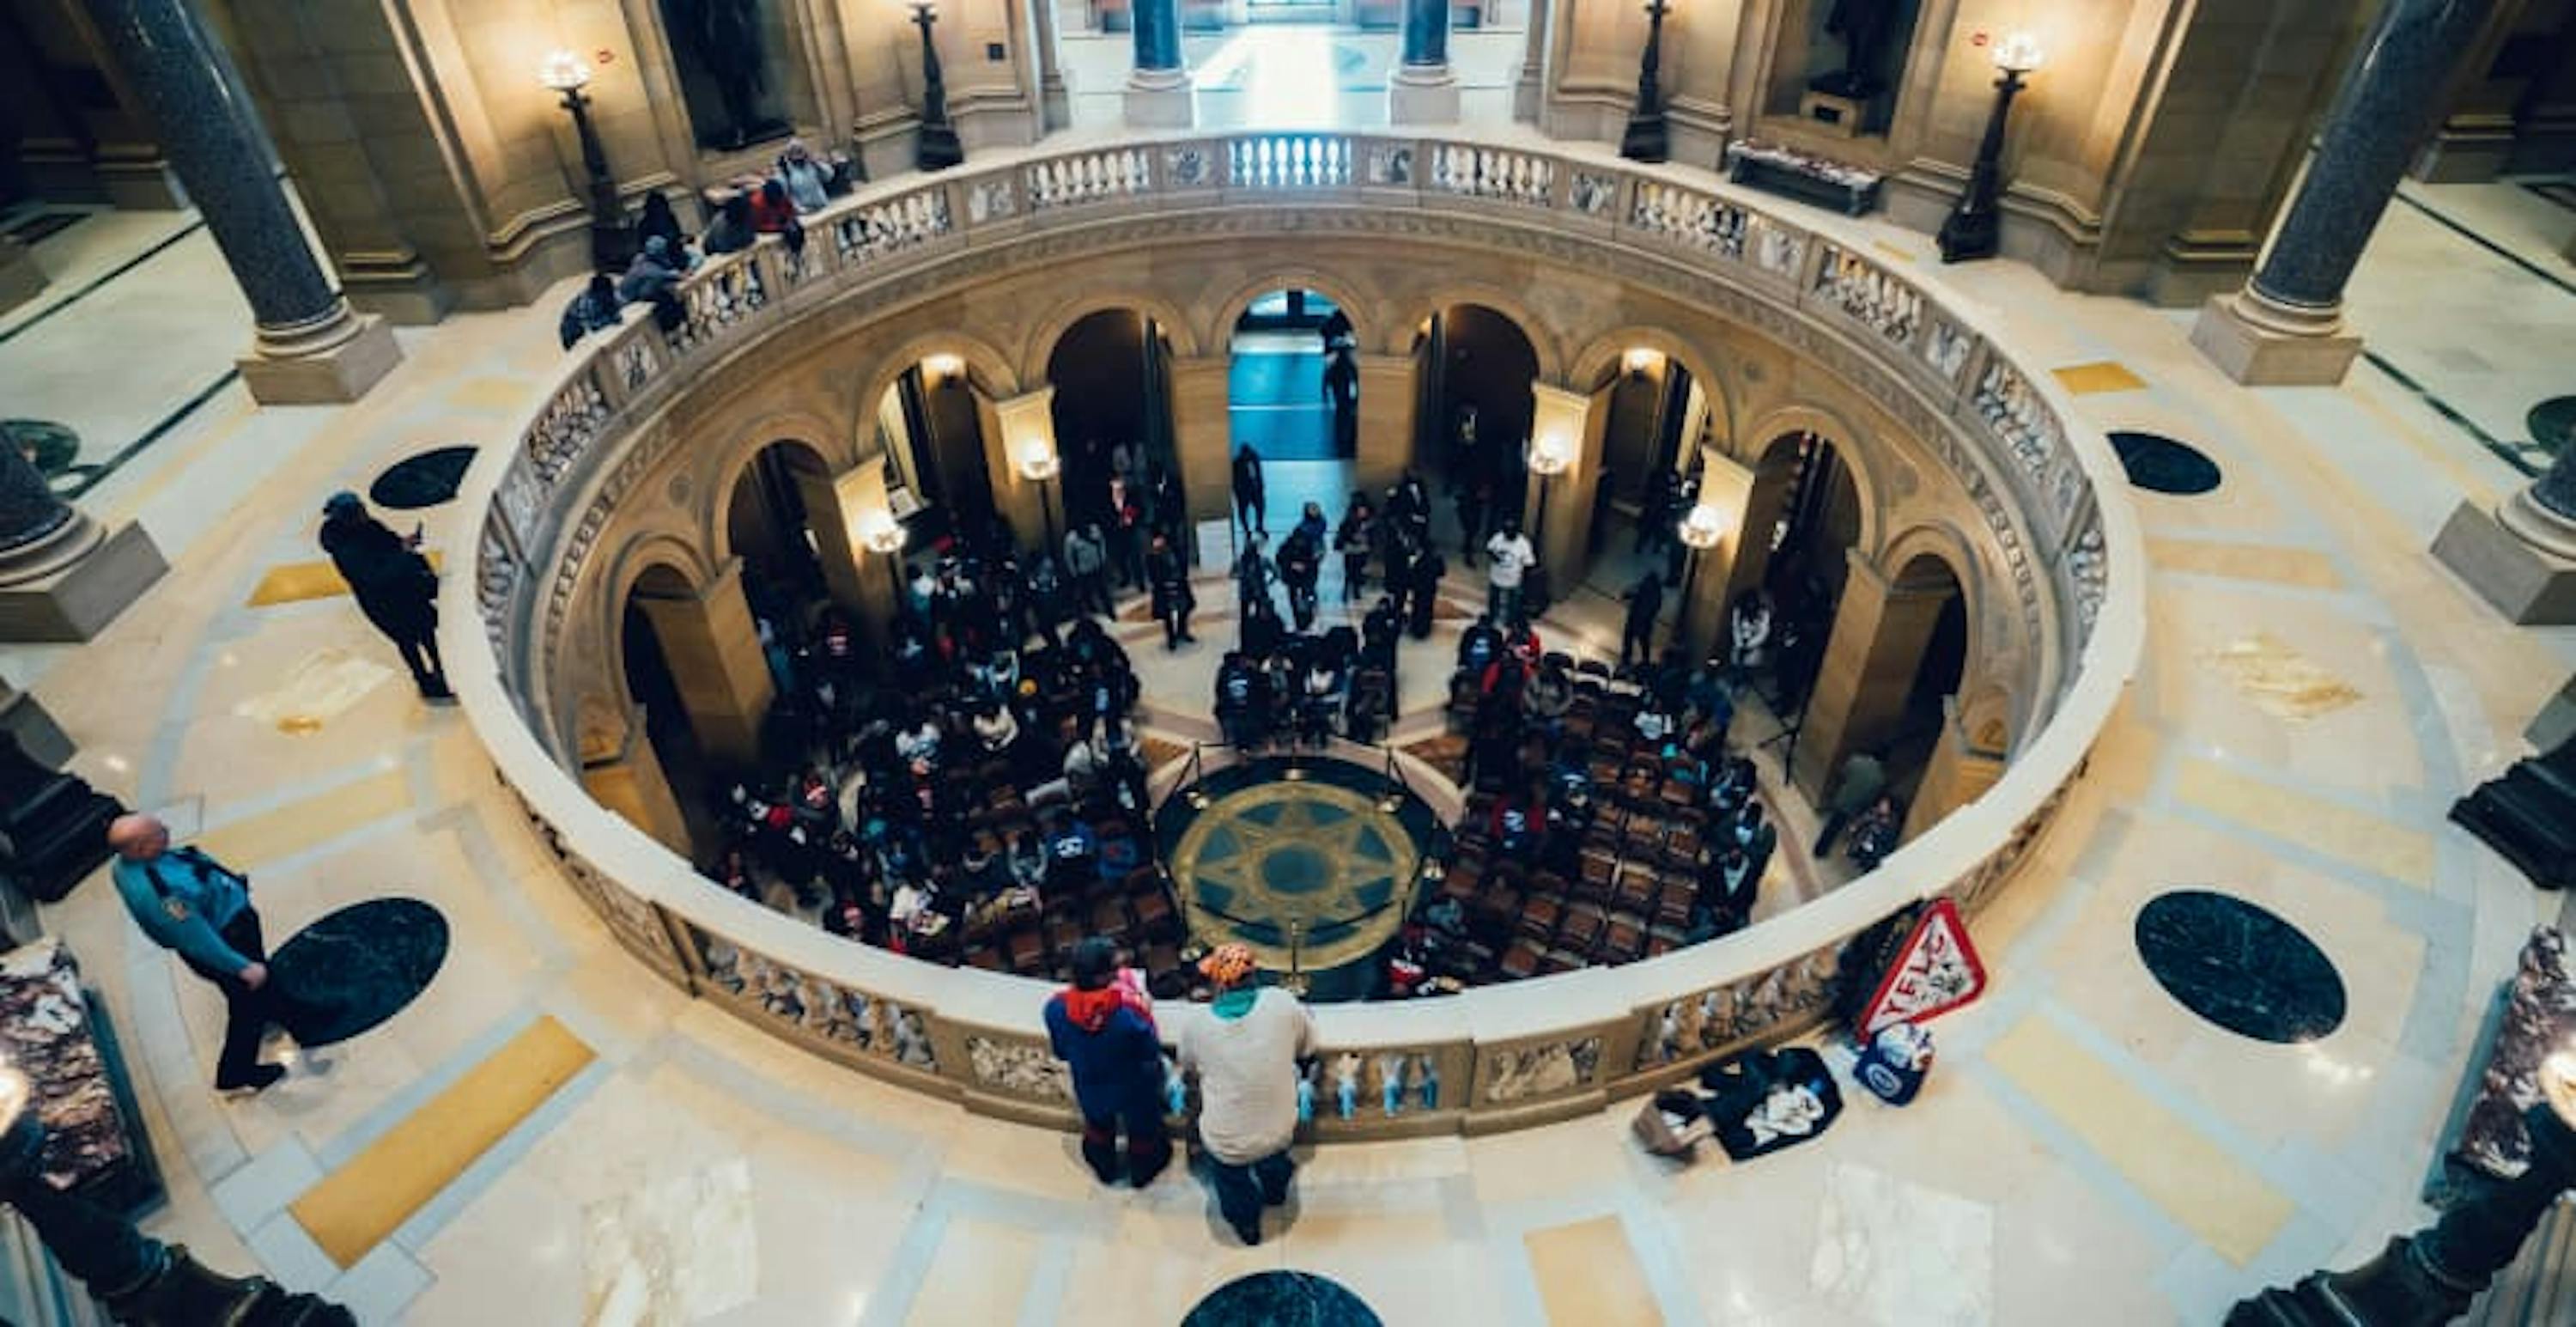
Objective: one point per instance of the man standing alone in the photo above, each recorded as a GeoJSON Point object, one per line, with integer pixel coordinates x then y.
{"type": "Point", "coordinates": [191, 905]}
{"type": "Point", "coordinates": [1513, 557]}
{"type": "Point", "coordinates": [1245, 1054]}
{"type": "Point", "coordinates": [393, 584]}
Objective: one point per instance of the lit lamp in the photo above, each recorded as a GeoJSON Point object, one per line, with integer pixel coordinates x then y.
{"type": "Point", "coordinates": [1637, 361]}
{"type": "Point", "coordinates": [1644, 140]}
{"type": "Point", "coordinates": [1549, 457]}
{"type": "Point", "coordinates": [1035, 458]}
{"type": "Point", "coordinates": [136, 1278]}
{"type": "Point", "coordinates": [612, 245]}
{"type": "Point", "coordinates": [943, 368]}
{"type": "Point", "coordinates": [938, 148]}
{"type": "Point", "coordinates": [1699, 531]}
{"type": "Point", "coordinates": [883, 537]}
{"type": "Point", "coordinates": [1974, 226]}
{"type": "Point", "coordinates": [2432, 1275]}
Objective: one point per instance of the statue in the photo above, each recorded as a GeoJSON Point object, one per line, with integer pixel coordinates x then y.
{"type": "Point", "coordinates": [723, 36]}
{"type": "Point", "coordinates": [1863, 25]}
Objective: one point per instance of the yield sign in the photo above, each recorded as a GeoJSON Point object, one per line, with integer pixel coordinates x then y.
{"type": "Point", "coordinates": [1936, 972]}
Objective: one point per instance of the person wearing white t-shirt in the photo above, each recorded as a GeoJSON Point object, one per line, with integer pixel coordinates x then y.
{"type": "Point", "coordinates": [1512, 558]}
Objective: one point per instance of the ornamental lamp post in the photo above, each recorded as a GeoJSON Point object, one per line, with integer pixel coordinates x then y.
{"type": "Point", "coordinates": [1699, 531]}
{"type": "Point", "coordinates": [2432, 1275]}
{"type": "Point", "coordinates": [1975, 226]}
{"type": "Point", "coordinates": [1644, 140]}
{"type": "Point", "coordinates": [937, 148]}
{"type": "Point", "coordinates": [1035, 458]}
{"type": "Point", "coordinates": [612, 245]}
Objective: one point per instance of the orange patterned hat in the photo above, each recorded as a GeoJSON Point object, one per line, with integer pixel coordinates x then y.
{"type": "Point", "coordinates": [1227, 964]}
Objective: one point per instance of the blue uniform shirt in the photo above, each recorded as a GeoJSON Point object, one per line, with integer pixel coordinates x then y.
{"type": "Point", "coordinates": [189, 907]}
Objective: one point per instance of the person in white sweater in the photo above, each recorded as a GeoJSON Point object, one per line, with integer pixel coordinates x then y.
{"type": "Point", "coordinates": [1245, 1056]}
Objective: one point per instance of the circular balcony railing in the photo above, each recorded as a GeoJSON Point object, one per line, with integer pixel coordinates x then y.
{"type": "Point", "coordinates": [1501, 1056]}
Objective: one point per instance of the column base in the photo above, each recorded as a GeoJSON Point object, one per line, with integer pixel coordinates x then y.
{"type": "Point", "coordinates": [2520, 559]}
{"type": "Point", "coordinates": [1055, 103]}
{"type": "Point", "coordinates": [2262, 344]}
{"type": "Point", "coordinates": [332, 360]}
{"type": "Point", "coordinates": [1160, 99]}
{"type": "Point", "coordinates": [74, 597]}
{"type": "Point", "coordinates": [1422, 94]}
{"type": "Point", "coordinates": [37, 733]}
{"type": "Point", "coordinates": [20, 277]}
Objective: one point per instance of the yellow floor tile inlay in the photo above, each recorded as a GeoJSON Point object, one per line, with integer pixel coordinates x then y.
{"type": "Point", "coordinates": [2298, 568]}
{"type": "Point", "coordinates": [295, 582]}
{"type": "Point", "coordinates": [355, 1207]}
{"type": "Point", "coordinates": [2338, 831]}
{"type": "Point", "coordinates": [1588, 1275]}
{"type": "Point", "coordinates": [2097, 377]}
{"type": "Point", "coordinates": [253, 841]}
{"type": "Point", "coordinates": [980, 1274]}
{"type": "Point", "coordinates": [2176, 1166]}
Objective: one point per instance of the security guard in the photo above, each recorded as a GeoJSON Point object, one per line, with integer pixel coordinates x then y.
{"type": "Point", "coordinates": [193, 906]}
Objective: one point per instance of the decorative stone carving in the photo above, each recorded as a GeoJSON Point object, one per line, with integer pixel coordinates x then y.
{"type": "Point", "coordinates": [1390, 164]}
{"type": "Point", "coordinates": [634, 923]}
{"type": "Point", "coordinates": [1019, 1068]}
{"type": "Point", "coordinates": [1774, 1001]}
{"type": "Point", "coordinates": [1289, 161]}
{"type": "Point", "coordinates": [1545, 1069]}
{"type": "Point", "coordinates": [990, 199]}
{"type": "Point", "coordinates": [1185, 166]}
{"type": "Point", "coordinates": [1592, 195]}
{"type": "Point", "coordinates": [2090, 569]}
{"type": "Point", "coordinates": [1864, 291]}
{"type": "Point", "coordinates": [776, 992]}
{"type": "Point", "coordinates": [567, 426]}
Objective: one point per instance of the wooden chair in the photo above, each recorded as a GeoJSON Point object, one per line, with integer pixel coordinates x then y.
{"type": "Point", "coordinates": [1521, 960]}
{"type": "Point", "coordinates": [1539, 916]}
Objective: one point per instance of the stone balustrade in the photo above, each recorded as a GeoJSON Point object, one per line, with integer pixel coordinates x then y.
{"type": "Point", "coordinates": [1495, 1057]}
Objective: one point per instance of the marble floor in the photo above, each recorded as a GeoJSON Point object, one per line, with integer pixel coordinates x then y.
{"type": "Point", "coordinates": [1290, 75]}
{"type": "Point", "coordinates": [2086, 1150]}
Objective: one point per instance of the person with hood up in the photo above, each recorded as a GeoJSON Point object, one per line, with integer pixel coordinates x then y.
{"type": "Point", "coordinates": [1103, 1029]}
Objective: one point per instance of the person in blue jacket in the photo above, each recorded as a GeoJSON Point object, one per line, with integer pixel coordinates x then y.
{"type": "Point", "coordinates": [1102, 1031]}
{"type": "Point", "coordinates": [193, 906]}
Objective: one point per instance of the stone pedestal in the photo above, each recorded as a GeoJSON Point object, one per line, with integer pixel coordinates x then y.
{"type": "Point", "coordinates": [2519, 557]}
{"type": "Point", "coordinates": [1422, 94]}
{"type": "Point", "coordinates": [62, 577]}
{"type": "Point", "coordinates": [1835, 114]}
{"type": "Point", "coordinates": [37, 733]}
{"type": "Point", "coordinates": [2263, 344]}
{"type": "Point", "coordinates": [1160, 99]}
{"type": "Point", "coordinates": [20, 278]}
{"type": "Point", "coordinates": [334, 361]}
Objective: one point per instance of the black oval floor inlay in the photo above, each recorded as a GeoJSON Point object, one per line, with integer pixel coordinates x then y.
{"type": "Point", "coordinates": [2552, 423]}
{"type": "Point", "coordinates": [358, 967]}
{"type": "Point", "coordinates": [2162, 465]}
{"type": "Point", "coordinates": [2240, 966]}
{"type": "Point", "coordinates": [1282, 1299]}
{"type": "Point", "coordinates": [420, 481]}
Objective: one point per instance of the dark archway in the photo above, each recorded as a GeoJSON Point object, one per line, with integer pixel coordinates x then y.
{"type": "Point", "coordinates": [766, 524]}
{"type": "Point", "coordinates": [1111, 373]}
{"type": "Point", "coordinates": [1802, 518]}
{"type": "Point", "coordinates": [1476, 367]}
{"type": "Point", "coordinates": [932, 434]}
{"type": "Point", "coordinates": [1656, 416]}
{"type": "Point", "coordinates": [1939, 670]}
{"type": "Point", "coordinates": [655, 688]}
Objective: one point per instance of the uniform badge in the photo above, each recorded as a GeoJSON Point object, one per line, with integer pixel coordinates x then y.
{"type": "Point", "coordinates": [178, 910]}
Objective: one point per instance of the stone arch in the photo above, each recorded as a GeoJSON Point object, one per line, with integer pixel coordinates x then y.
{"type": "Point", "coordinates": [1050, 331]}
{"type": "Point", "coordinates": [1542, 340]}
{"type": "Point", "coordinates": [657, 562]}
{"type": "Point", "coordinates": [830, 449]}
{"type": "Point", "coordinates": [1368, 322]}
{"type": "Point", "coordinates": [1986, 716]}
{"type": "Point", "coordinates": [1858, 450]}
{"type": "Point", "coordinates": [1601, 356]}
{"type": "Point", "coordinates": [986, 367]}
{"type": "Point", "coordinates": [1919, 553]}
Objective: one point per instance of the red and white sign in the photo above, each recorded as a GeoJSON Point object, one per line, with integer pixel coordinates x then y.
{"type": "Point", "coordinates": [1936, 972]}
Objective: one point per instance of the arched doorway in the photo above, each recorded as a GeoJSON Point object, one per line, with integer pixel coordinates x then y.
{"type": "Point", "coordinates": [932, 436]}
{"type": "Point", "coordinates": [1476, 366]}
{"type": "Point", "coordinates": [1656, 414]}
{"type": "Point", "coordinates": [1292, 397]}
{"type": "Point", "coordinates": [1939, 668]}
{"type": "Point", "coordinates": [768, 524]}
{"type": "Point", "coordinates": [1802, 518]}
{"type": "Point", "coordinates": [1111, 373]}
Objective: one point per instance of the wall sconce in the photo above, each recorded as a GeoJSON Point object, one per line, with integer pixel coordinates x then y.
{"type": "Point", "coordinates": [1551, 456]}
{"type": "Point", "coordinates": [879, 533]}
{"type": "Point", "coordinates": [1700, 530]}
{"type": "Point", "coordinates": [1974, 228]}
{"type": "Point", "coordinates": [1036, 458]}
{"type": "Point", "coordinates": [942, 369]}
{"type": "Point", "coordinates": [1639, 359]}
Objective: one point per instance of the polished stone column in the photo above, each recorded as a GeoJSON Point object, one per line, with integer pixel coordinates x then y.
{"type": "Point", "coordinates": [1387, 395]}
{"type": "Point", "coordinates": [2286, 327]}
{"type": "Point", "coordinates": [1055, 101]}
{"type": "Point", "coordinates": [1424, 89]}
{"type": "Point", "coordinates": [309, 346]}
{"type": "Point", "coordinates": [62, 576]}
{"type": "Point", "coordinates": [1158, 88]}
{"type": "Point", "coordinates": [1202, 442]}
